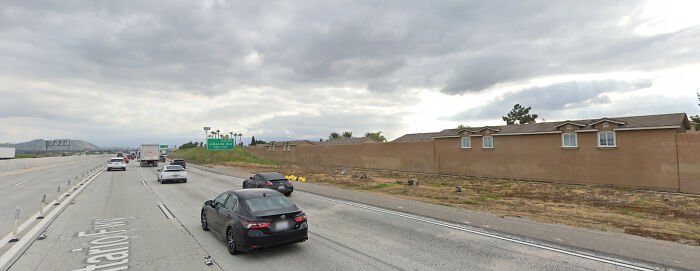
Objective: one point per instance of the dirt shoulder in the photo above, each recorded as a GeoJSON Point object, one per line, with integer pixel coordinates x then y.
{"type": "Point", "coordinates": [658, 215]}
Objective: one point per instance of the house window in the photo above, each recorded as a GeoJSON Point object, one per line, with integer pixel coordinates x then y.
{"type": "Point", "coordinates": [605, 125]}
{"type": "Point", "coordinates": [569, 140]}
{"type": "Point", "coordinates": [487, 142]}
{"type": "Point", "coordinates": [466, 143]}
{"type": "Point", "coordinates": [606, 139]}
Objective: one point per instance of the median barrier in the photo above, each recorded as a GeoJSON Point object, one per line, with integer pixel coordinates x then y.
{"type": "Point", "coordinates": [25, 163]}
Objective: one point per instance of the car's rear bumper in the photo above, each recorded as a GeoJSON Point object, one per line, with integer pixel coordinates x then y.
{"type": "Point", "coordinates": [285, 189]}
{"type": "Point", "coordinates": [256, 240]}
{"type": "Point", "coordinates": [174, 179]}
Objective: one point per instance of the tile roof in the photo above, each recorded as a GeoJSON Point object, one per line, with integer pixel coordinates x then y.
{"type": "Point", "coordinates": [633, 122]}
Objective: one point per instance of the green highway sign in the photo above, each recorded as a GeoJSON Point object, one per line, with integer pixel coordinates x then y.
{"type": "Point", "coordinates": [220, 144]}
{"type": "Point", "coordinates": [163, 146]}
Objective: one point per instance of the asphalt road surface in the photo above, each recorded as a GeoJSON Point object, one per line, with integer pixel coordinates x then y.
{"type": "Point", "coordinates": [25, 190]}
{"type": "Point", "coordinates": [129, 220]}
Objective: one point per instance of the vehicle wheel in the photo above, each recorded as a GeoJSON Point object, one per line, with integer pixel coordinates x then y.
{"type": "Point", "coordinates": [109, 169]}
{"type": "Point", "coordinates": [245, 184]}
{"type": "Point", "coordinates": [185, 181]}
{"type": "Point", "coordinates": [205, 225]}
{"type": "Point", "coordinates": [288, 194]}
{"type": "Point", "coordinates": [231, 242]}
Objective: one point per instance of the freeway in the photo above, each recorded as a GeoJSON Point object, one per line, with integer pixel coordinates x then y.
{"type": "Point", "coordinates": [25, 188]}
{"type": "Point", "coordinates": [144, 225]}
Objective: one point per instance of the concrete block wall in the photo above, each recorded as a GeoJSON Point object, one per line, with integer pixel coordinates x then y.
{"type": "Point", "coordinates": [663, 159]}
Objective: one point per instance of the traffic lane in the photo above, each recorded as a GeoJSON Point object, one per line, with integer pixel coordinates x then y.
{"type": "Point", "coordinates": [346, 237]}
{"type": "Point", "coordinates": [26, 190]}
{"type": "Point", "coordinates": [115, 222]}
{"type": "Point", "coordinates": [185, 200]}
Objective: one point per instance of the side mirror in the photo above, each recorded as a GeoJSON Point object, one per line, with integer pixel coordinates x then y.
{"type": "Point", "coordinates": [209, 203]}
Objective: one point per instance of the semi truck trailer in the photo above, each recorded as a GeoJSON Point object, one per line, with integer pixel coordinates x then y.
{"type": "Point", "coordinates": [149, 155]}
{"type": "Point", "coordinates": [7, 153]}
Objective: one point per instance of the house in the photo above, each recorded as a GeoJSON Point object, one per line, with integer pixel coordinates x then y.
{"type": "Point", "coordinates": [606, 130]}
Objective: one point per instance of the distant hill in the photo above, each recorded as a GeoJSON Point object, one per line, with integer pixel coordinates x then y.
{"type": "Point", "coordinates": [39, 145]}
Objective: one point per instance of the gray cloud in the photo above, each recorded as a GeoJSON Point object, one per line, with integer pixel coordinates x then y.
{"type": "Point", "coordinates": [106, 67]}
{"type": "Point", "coordinates": [315, 126]}
{"type": "Point", "coordinates": [384, 46]}
{"type": "Point", "coordinates": [552, 98]}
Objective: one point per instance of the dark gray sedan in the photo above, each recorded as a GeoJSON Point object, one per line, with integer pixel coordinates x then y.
{"type": "Point", "coordinates": [254, 219]}
{"type": "Point", "coordinates": [271, 180]}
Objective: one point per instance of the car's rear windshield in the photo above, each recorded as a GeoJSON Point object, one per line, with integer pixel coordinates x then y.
{"type": "Point", "coordinates": [268, 203]}
{"type": "Point", "coordinates": [116, 160]}
{"type": "Point", "coordinates": [179, 161]}
{"type": "Point", "coordinates": [174, 168]}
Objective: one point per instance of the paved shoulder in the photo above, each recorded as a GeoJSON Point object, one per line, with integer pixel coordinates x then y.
{"type": "Point", "coordinates": [116, 224]}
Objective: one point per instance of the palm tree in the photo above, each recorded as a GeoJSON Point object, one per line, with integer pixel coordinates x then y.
{"type": "Point", "coordinates": [378, 136]}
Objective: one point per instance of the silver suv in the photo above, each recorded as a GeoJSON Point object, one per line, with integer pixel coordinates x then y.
{"type": "Point", "coordinates": [116, 163]}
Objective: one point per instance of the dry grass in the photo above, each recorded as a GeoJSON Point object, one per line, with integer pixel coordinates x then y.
{"type": "Point", "coordinates": [650, 214]}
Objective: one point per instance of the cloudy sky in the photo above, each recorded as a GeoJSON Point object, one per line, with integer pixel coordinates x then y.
{"type": "Point", "coordinates": [121, 73]}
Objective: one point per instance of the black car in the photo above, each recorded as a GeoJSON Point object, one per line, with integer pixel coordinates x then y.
{"type": "Point", "coordinates": [161, 158]}
{"type": "Point", "coordinates": [179, 162]}
{"type": "Point", "coordinates": [271, 180]}
{"type": "Point", "coordinates": [253, 219]}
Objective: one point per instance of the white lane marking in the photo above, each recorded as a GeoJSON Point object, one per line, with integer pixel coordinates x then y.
{"type": "Point", "coordinates": [77, 250]}
{"type": "Point", "coordinates": [165, 210]}
{"type": "Point", "coordinates": [107, 248]}
{"type": "Point", "coordinates": [21, 183]}
{"type": "Point", "coordinates": [142, 182]}
{"type": "Point", "coordinates": [451, 226]}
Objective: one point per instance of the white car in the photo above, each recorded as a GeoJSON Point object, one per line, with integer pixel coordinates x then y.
{"type": "Point", "coordinates": [116, 163]}
{"type": "Point", "coordinates": [172, 173]}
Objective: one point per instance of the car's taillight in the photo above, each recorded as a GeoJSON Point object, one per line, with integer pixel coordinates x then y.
{"type": "Point", "coordinates": [289, 181]}
{"type": "Point", "coordinates": [268, 183]}
{"type": "Point", "coordinates": [254, 224]}
{"type": "Point", "coordinates": [300, 217]}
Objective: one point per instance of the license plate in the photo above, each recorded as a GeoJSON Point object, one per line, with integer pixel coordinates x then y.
{"type": "Point", "coordinates": [175, 175]}
{"type": "Point", "coordinates": [282, 225]}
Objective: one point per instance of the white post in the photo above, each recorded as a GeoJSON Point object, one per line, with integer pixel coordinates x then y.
{"type": "Point", "coordinates": [58, 195]}
{"type": "Point", "coordinates": [14, 231]}
{"type": "Point", "coordinates": [43, 205]}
